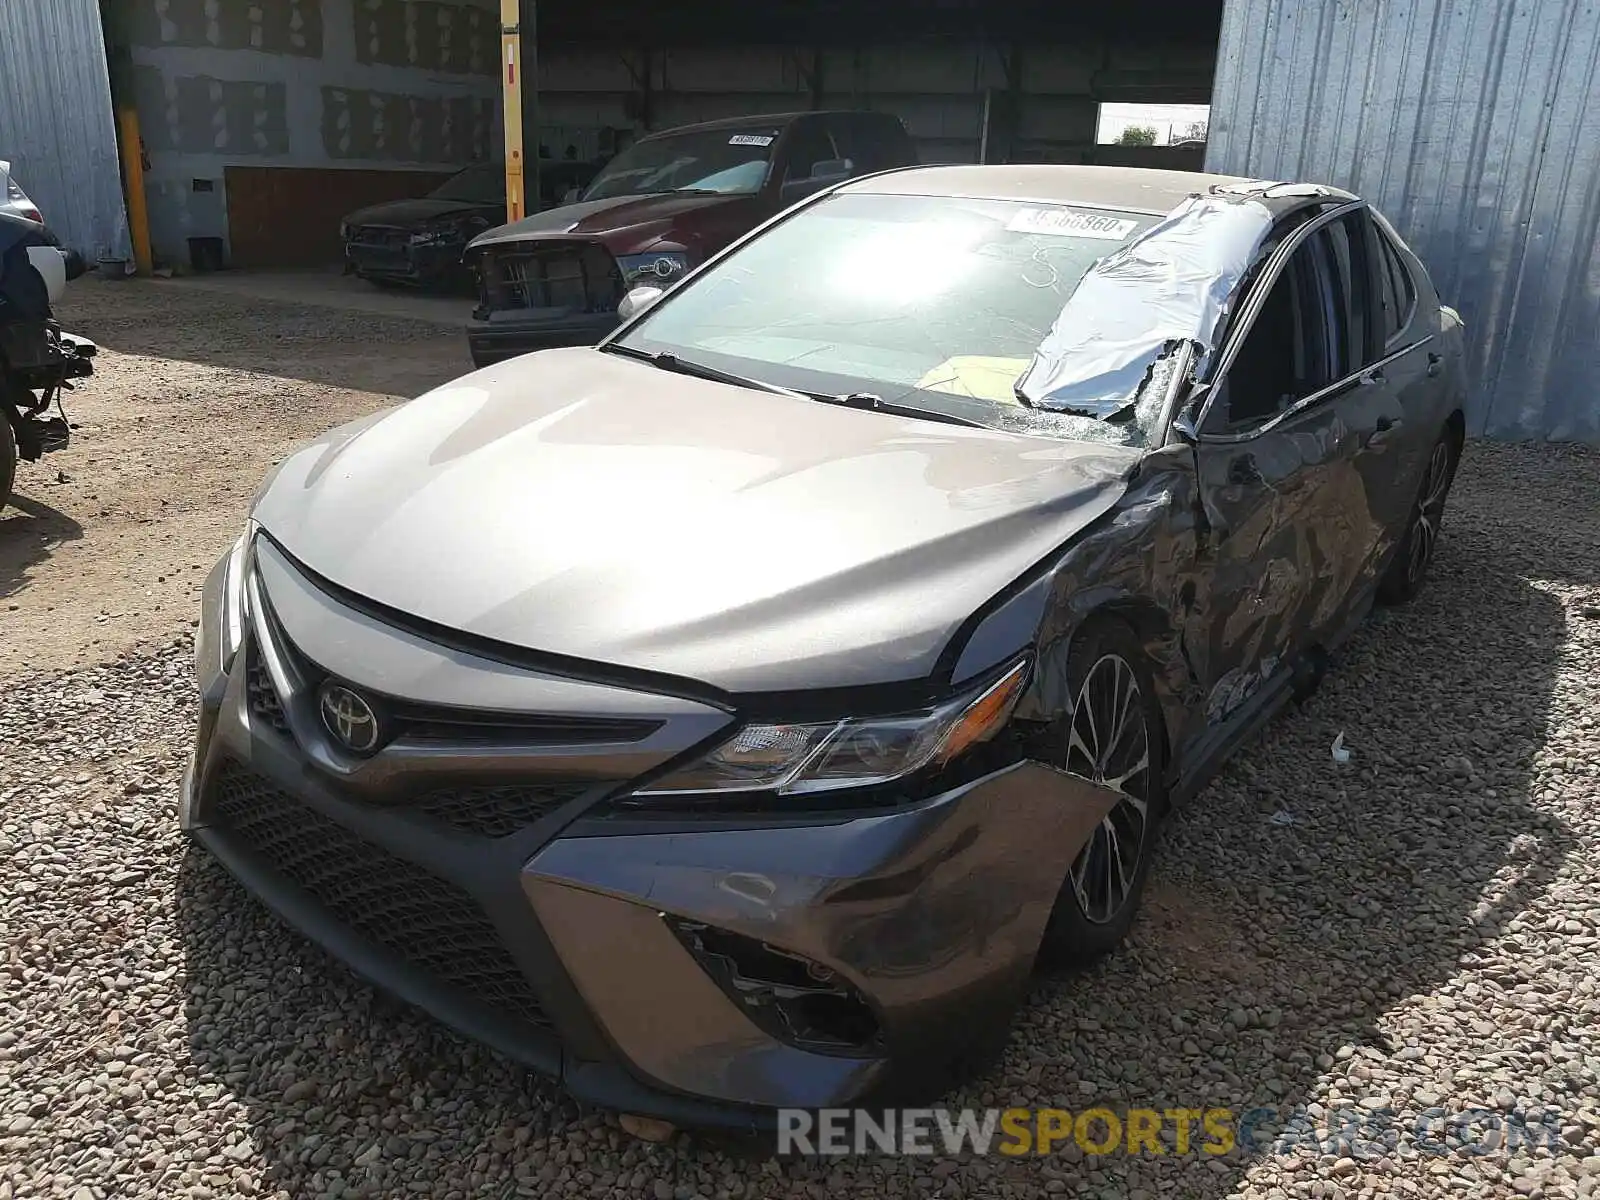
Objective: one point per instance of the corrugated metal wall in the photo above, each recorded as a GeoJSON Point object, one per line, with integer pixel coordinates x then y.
{"type": "Point", "coordinates": [56, 125]}
{"type": "Point", "coordinates": [1475, 127]}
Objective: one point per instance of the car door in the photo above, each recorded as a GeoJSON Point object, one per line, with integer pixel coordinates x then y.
{"type": "Point", "coordinates": [1413, 361]}
{"type": "Point", "coordinates": [1368, 399]}
{"type": "Point", "coordinates": [1286, 532]}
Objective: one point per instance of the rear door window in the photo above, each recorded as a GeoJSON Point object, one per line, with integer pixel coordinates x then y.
{"type": "Point", "coordinates": [1343, 253]}
{"type": "Point", "coordinates": [1399, 292]}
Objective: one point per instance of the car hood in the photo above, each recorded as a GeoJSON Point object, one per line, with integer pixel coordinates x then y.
{"type": "Point", "coordinates": [582, 504]}
{"type": "Point", "coordinates": [406, 214]}
{"type": "Point", "coordinates": [624, 223]}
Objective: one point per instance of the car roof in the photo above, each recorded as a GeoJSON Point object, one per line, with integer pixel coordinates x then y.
{"type": "Point", "coordinates": [759, 119]}
{"type": "Point", "coordinates": [1137, 189]}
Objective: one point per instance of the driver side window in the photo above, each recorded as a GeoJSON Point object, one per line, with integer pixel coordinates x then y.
{"type": "Point", "coordinates": [1310, 332]}
{"type": "Point", "coordinates": [1284, 355]}
{"type": "Point", "coordinates": [810, 146]}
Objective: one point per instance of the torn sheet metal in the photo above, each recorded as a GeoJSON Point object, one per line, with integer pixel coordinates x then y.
{"type": "Point", "coordinates": [1169, 286]}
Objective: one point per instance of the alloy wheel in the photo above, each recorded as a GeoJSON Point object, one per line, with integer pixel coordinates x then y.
{"type": "Point", "coordinates": [1109, 743]}
{"type": "Point", "coordinates": [1430, 510]}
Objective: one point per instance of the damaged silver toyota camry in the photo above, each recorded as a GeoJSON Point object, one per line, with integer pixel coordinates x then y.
{"type": "Point", "coordinates": [729, 716]}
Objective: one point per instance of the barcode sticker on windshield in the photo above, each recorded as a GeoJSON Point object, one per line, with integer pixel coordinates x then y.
{"type": "Point", "coordinates": [1067, 222]}
{"type": "Point", "coordinates": [751, 139]}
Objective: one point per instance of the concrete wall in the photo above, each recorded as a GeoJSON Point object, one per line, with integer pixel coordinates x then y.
{"type": "Point", "coordinates": [357, 84]}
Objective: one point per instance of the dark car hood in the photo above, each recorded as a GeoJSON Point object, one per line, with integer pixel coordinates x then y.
{"type": "Point", "coordinates": [406, 214]}
{"type": "Point", "coordinates": [624, 223]}
{"type": "Point", "coordinates": [583, 504]}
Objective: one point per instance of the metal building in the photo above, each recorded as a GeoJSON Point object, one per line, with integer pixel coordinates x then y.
{"type": "Point", "coordinates": [56, 126]}
{"type": "Point", "coordinates": [265, 121]}
{"type": "Point", "coordinates": [1470, 124]}
{"type": "Point", "coordinates": [1473, 127]}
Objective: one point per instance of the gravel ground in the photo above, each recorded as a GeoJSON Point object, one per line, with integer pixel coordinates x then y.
{"type": "Point", "coordinates": [1413, 931]}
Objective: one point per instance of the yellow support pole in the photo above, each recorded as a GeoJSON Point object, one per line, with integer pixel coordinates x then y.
{"type": "Point", "coordinates": [510, 64]}
{"type": "Point", "coordinates": [133, 173]}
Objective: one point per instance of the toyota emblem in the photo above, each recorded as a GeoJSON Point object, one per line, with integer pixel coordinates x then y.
{"type": "Point", "coordinates": [349, 718]}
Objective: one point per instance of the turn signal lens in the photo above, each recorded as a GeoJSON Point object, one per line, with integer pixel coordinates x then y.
{"type": "Point", "coordinates": [984, 718]}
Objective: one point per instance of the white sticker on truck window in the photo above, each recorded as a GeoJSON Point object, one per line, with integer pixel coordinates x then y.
{"type": "Point", "coordinates": [751, 139]}
{"type": "Point", "coordinates": [1068, 222]}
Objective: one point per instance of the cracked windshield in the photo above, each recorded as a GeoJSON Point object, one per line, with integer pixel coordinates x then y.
{"type": "Point", "coordinates": [929, 303]}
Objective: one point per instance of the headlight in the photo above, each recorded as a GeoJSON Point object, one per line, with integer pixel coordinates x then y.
{"type": "Point", "coordinates": [235, 615]}
{"type": "Point", "coordinates": [662, 267]}
{"type": "Point", "coordinates": [794, 760]}
{"type": "Point", "coordinates": [458, 229]}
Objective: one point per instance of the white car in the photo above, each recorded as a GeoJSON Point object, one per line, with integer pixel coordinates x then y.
{"type": "Point", "coordinates": [13, 199]}
{"type": "Point", "coordinates": [15, 202]}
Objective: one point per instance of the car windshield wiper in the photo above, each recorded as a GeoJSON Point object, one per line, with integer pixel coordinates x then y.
{"type": "Point", "coordinates": [668, 361]}
{"type": "Point", "coordinates": [875, 402]}
{"type": "Point", "coordinates": [682, 366]}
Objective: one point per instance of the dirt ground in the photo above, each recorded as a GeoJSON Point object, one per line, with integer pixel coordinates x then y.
{"type": "Point", "coordinates": [197, 391]}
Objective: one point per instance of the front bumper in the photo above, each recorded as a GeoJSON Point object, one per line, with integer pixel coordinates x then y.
{"type": "Point", "coordinates": [554, 943]}
{"type": "Point", "coordinates": [506, 334]}
{"type": "Point", "coordinates": [430, 264]}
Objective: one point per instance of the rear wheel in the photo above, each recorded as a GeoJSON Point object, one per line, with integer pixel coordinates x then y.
{"type": "Point", "coordinates": [1404, 578]}
{"type": "Point", "coordinates": [1113, 738]}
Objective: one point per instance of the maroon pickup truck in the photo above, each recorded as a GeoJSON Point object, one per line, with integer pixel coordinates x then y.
{"type": "Point", "coordinates": [655, 212]}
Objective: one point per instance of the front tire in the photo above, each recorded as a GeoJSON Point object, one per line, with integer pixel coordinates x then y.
{"type": "Point", "coordinates": [1409, 568]}
{"type": "Point", "coordinates": [1113, 737]}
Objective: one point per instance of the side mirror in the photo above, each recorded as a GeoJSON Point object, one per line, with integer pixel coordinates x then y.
{"type": "Point", "coordinates": [1183, 430]}
{"type": "Point", "coordinates": [831, 170]}
{"type": "Point", "coordinates": [571, 197]}
{"type": "Point", "coordinates": [637, 300]}
{"type": "Point", "coordinates": [1185, 424]}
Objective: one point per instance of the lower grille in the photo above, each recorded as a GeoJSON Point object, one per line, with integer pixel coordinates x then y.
{"type": "Point", "coordinates": [577, 278]}
{"type": "Point", "coordinates": [419, 917]}
{"type": "Point", "coordinates": [495, 811]}
{"type": "Point", "coordinates": [264, 701]}
{"type": "Point", "coordinates": [378, 235]}
{"type": "Point", "coordinates": [792, 998]}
